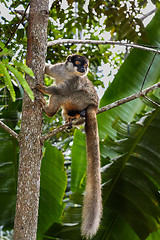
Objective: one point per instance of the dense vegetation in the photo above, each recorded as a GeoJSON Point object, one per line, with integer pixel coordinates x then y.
{"type": "Point", "coordinates": [129, 134]}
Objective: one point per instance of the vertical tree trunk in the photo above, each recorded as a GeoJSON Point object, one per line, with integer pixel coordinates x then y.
{"type": "Point", "coordinates": [30, 154]}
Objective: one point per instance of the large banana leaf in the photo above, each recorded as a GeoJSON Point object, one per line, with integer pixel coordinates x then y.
{"type": "Point", "coordinates": [132, 180]}
{"type": "Point", "coordinates": [78, 167]}
{"type": "Point", "coordinates": [52, 188]}
{"type": "Point", "coordinates": [129, 81]}
{"type": "Point", "coordinates": [8, 162]}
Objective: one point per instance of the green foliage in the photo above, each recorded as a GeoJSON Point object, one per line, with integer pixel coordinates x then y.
{"type": "Point", "coordinates": [25, 68]}
{"type": "Point", "coordinates": [129, 81]}
{"type": "Point", "coordinates": [22, 81]}
{"type": "Point", "coordinates": [8, 81]}
{"type": "Point", "coordinates": [133, 177]}
{"type": "Point", "coordinates": [120, 18]}
{"type": "Point", "coordinates": [53, 184]}
{"type": "Point", "coordinates": [13, 71]}
{"type": "Point", "coordinates": [78, 166]}
{"type": "Point", "coordinates": [8, 178]}
{"type": "Point", "coordinates": [8, 157]}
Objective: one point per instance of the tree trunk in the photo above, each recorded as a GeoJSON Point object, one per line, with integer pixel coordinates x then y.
{"type": "Point", "coordinates": [30, 152]}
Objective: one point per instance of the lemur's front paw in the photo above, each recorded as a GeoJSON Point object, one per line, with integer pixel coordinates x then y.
{"type": "Point", "coordinates": [41, 100]}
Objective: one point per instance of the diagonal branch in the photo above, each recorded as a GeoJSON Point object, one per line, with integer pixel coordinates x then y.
{"type": "Point", "coordinates": [101, 110]}
{"type": "Point", "coordinates": [130, 98]}
{"type": "Point", "coordinates": [9, 130]}
{"type": "Point", "coordinates": [54, 132]}
{"type": "Point", "coordinates": [97, 42]}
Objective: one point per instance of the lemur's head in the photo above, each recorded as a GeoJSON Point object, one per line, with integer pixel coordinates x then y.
{"type": "Point", "coordinates": [77, 64]}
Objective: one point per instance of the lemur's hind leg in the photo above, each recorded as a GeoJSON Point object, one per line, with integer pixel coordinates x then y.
{"type": "Point", "coordinates": [52, 107]}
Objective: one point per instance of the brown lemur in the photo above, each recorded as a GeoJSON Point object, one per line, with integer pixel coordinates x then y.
{"type": "Point", "coordinates": [74, 92]}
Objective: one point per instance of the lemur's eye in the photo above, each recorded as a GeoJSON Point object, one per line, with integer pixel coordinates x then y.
{"type": "Point", "coordinates": [85, 64]}
{"type": "Point", "coordinates": [77, 62]}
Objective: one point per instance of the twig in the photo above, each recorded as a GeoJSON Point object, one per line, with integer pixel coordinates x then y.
{"type": "Point", "coordinates": [9, 130]}
{"type": "Point", "coordinates": [17, 26]}
{"type": "Point", "coordinates": [22, 13]}
{"type": "Point", "coordinates": [103, 109]}
{"type": "Point", "coordinates": [62, 41]}
{"type": "Point", "coordinates": [148, 14]}
{"type": "Point", "coordinates": [153, 102]}
{"type": "Point", "coordinates": [148, 71]}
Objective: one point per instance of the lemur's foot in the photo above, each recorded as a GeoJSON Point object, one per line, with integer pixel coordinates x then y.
{"type": "Point", "coordinates": [38, 87]}
{"type": "Point", "coordinates": [70, 120]}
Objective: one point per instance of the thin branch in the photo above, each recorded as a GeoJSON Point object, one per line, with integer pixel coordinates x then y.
{"type": "Point", "coordinates": [63, 41]}
{"type": "Point", "coordinates": [9, 130]}
{"type": "Point", "coordinates": [148, 14]}
{"type": "Point", "coordinates": [54, 132]}
{"type": "Point", "coordinates": [130, 98]}
{"type": "Point", "coordinates": [148, 71]}
{"type": "Point", "coordinates": [101, 110]}
{"type": "Point", "coordinates": [153, 102]}
{"type": "Point", "coordinates": [22, 13]}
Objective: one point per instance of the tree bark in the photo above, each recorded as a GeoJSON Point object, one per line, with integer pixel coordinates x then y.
{"type": "Point", "coordinates": [30, 152]}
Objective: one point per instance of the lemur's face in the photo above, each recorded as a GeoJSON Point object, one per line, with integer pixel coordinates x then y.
{"type": "Point", "coordinates": [77, 64]}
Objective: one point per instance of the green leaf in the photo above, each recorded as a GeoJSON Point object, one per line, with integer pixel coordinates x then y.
{"type": "Point", "coordinates": [2, 45]}
{"type": "Point", "coordinates": [8, 81]}
{"type": "Point", "coordinates": [6, 52]}
{"type": "Point", "coordinates": [22, 81]}
{"type": "Point", "coordinates": [117, 228]}
{"type": "Point", "coordinates": [7, 179]}
{"type": "Point", "coordinates": [133, 178]}
{"type": "Point", "coordinates": [8, 162]}
{"type": "Point", "coordinates": [52, 189]}
{"type": "Point", "coordinates": [73, 213]}
{"type": "Point", "coordinates": [20, 34]}
{"type": "Point", "coordinates": [24, 67]}
{"type": "Point", "coordinates": [129, 81]}
{"type": "Point", "coordinates": [78, 166]}
{"type": "Point", "coordinates": [154, 236]}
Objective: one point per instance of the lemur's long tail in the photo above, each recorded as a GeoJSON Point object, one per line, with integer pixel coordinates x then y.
{"type": "Point", "coordinates": [92, 206]}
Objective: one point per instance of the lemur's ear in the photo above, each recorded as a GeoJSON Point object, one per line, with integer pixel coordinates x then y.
{"type": "Point", "coordinates": [68, 58]}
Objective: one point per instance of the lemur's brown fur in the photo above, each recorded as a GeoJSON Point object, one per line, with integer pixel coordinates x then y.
{"type": "Point", "coordinates": [75, 94]}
